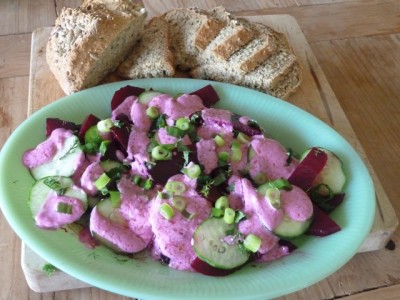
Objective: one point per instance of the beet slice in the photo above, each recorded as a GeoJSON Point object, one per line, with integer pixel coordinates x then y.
{"type": "Point", "coordinates": [89, 121]}
{"type": "Point", "coordinates": [204, 268]}
{"type": "Point", "coordinates": [249, 129]}
{"type": "Point", "coordinates": [121, 135]}
{"type": "Point", "coordinates": [54, 123]}
{"type": "Point", "coordinates": [123, 93]}
{"type": "Point", "coordinates": [322, 224]}
{"type": "Point", "coordinates": [208, 95]}
{"type": "Point", "coordinates": [164, 169]}
{"type": "Point", "coordinates": [328, 204]}
{"type": "Point", "coordinates": [307, 170]}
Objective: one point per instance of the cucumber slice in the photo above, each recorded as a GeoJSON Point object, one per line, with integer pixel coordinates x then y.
{"type": "Point", "coordinates": [108, 165]}
{"type": "Point", "coordinates": [43, 187]}
{"type": "Point", "coordinates": [63, 163]}
{"type": "Point", "coordinates": [332, 174]}
{"type": "Point", "coordinates": [145, 97]}
{"type": "Point", "coordinates": [209, 245]}
{"type": "Point", "coordinates": [109, 210]}
{"type": "Point", "coordinates": [289, 228]}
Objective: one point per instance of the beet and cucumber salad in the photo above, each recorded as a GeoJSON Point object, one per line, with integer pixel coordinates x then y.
{"type": "Point", "coordinates": [199, 188]}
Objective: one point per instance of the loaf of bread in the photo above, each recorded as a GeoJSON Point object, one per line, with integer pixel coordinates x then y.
{"type": "Point", "coordinates": [153, 56]}
{"type": "Point", "coordinates": [90, 41]}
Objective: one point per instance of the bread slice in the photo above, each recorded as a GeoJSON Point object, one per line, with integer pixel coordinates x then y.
{"type": "Point", "coordinates": [266, 77]}
{"type": "Point", "coordinates": [236, 33]}
{"type": "Point", "coordinates": [90, 41]}
{"type": "Point", "coordinates": [152, 57]}
{"type": "Point", "coordinates": [192, 29]}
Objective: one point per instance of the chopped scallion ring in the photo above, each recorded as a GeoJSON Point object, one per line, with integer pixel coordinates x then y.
{"type": "Point", "coordinates": [217, 212]}
{"type": "Point", "coordinates": [179, 203]}
{"type": "Point", "coordinates": [182, 124]}
{"type": "Point", "coordinates": [160, 153]}
{"type": "Point", "coordinates": [242, 138]}
{"type": "Point", "coordinates": [223, 156]}
{"type": "Point", "coordinates": [273, 195]}
{"type": "Point", "coordinates": [115, 199]}
{"type": "Point", "coordinates": [229, 215]}
{"type": "Point", "coordinates": [219, 141]}
{"type": "Point", "coordinates": [193, 171]}
{"type": "Point", "coordinates": [236, 151]}
{"type": "Point", "coordinates": [252, 243]}
{"type": "Point", "coordinates": [152, 112]}
{"type": "Point", "coordinates": [166, 211]}
{"type": "Point", "coordinates": [175, 187]}
{"type": "Point", "coordinates": [102, 181]}
{"type": "Point", "coordinates": [105, 125]}
{"type": "Point", "coordinates": [222, 202]}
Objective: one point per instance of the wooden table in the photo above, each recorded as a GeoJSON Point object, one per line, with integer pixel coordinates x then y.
{"type": "Point", "coordinates": [357, 45]}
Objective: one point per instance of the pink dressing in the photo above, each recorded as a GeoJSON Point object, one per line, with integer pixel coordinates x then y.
{"type": "Point", "coordinates": [207, 155]}
{"type": "Point", "coordinates": [137, 143]}
{"type": "Point", "coordinates": [173, 237]}
{"type": "Point", "coordinates": [45, 151]}
{"type": "Point", "coordinates": [124, 108]}
{"type": "Point", "coordinates": [116, 234]}
{"type": "Point", "coordinates": [91, 174]}
{"type": "Point", "coordinates": [140, 120]}
{"type": "Point", "coordinates": [270, 159]}
{"type": "Point", "coordinates": [296, 204]}
{"type": "Point", "coordinates": [49, 218]}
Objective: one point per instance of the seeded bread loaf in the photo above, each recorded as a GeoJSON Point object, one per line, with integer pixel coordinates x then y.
{"type": "Point", "coordinates": [152, 57]}
{"type": "Point", "coordinates": [192, 29]}
{"type": "Point", "coordinates": [90, 41]}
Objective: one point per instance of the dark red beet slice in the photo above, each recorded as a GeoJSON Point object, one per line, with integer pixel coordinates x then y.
{"type": "Point", "coordinates": [112, 151]}
{"type": "Point", "coordinates": [322, 224]}
{"type": "Point", "coordinates": [247, 129]}
{"type": "Point", "coordinates": [204, 268]}
{"type": "Point", "coordinates": [89, 121]}
{"type": "Point", "coordinates": [307, 170]}
{"type": "Point", "coordinates": [54, 123]}
{"type": "Point", "coordinates": [164, 169]}
{"type": "Point", "coordinates": [121, 134]}
{"type": "Point", "coordinates": [123, 93]}
{"type": "Point", "coordinates": [208, 95]}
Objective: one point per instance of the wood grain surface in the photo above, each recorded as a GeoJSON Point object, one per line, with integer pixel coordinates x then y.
{"type": "Point", "coordinates": [355, 43]}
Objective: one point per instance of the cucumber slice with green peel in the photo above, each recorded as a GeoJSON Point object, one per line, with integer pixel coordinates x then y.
{"type": "Point", "coordinates": [145, 97]}
{"type": "Point", "coordinates": [61, 185]}
{"type": "Point", "coordinates": [289, 228]}
{"type": "Point", "coordinates": [108, 165]}
{"type": "Point", "coordinates": [64, 163]}
{"type": "Point", "coordinates": [332, 175]}
{"type": "Point", "coordinates": [209, 245]}
{"type": "Point", "coordinates": [109, 210]}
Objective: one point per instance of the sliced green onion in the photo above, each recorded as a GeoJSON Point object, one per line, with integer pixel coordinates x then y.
{"type": "Point", "coordinates": [152, 112]}
{"type": "Point", "coordinates": [193, 171]}
{"type": "Point", "coordinates": [105, 125]}
{"type": "Point", "coordinates": [166, 211]}
{"type": "Point", "coordinates": [229, 215]}
{"type": "Point", "coordinates": [188, 215]}
{"type": "Point", "coordinates": [236, 151]}
{"type": "Point", "coordinates": [282, 184]}
{"type": "Point", "coordinates": [222, 202]}
{"type": "Point", "coordinates": [182, 124]}
{"type": "Point", "coordinates": [219, 140]}
{"type": "Point", "coordinates": [164, 196]}
{"type": "Point", "coordinates": [219, 179]}
{"type": "Point", "coordinates": [260, 178]}
{"type": "Point", "coordinates": [273, 195]}
{"type": "Point", "coordinates": [217, 212]}
{"type": "Point", "coordinates": [102, 181]}
{"type": "Point", "coordinates": [64, 208]}
{"type": "Point", "coordinates": [146, 184]}
{"type": "Point", "coordinates": [179, 203]}
{"type": "Point", "coordinates": [223, 156]}
{"type": "Point", "coordinates": [160, 153]}
{"type": "Point", "coordinates": [242, 138]}
{"type": "Point", "coordinates": [115, 199]}
{"type": "Point", "coordinates": [175, 187]}
{"type": "Point", "coordinates": [252, 243]}
{"type": "Point", "coordinates": [174, 131]}
{"type": "Point", "coordinates": [103, 147]}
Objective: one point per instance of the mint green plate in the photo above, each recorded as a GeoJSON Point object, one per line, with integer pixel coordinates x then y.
{"type": "Point", "coordinates": [143, 278]}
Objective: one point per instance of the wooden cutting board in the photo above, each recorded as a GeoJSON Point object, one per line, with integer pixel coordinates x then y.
{"type": "Point", "coordinates": [315, 96]}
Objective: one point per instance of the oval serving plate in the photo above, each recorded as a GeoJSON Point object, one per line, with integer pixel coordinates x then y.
{"type": "Point", "coordinates": [143, 278]}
